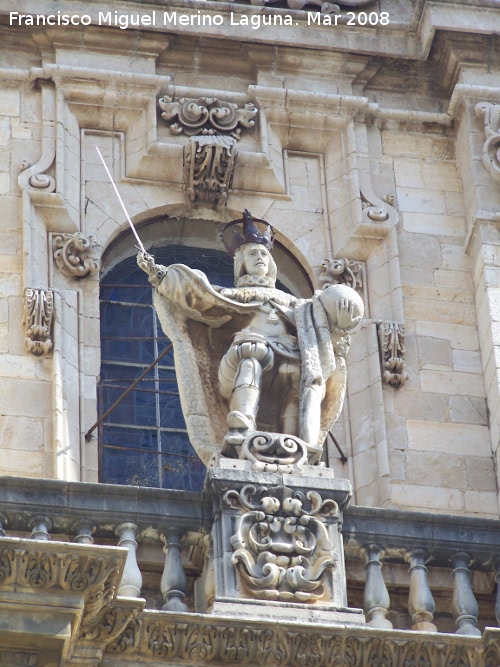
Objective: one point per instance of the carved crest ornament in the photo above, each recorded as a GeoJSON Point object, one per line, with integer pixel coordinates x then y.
{"type": "Point", "coordinates": [214, 127]}
{"type": "Point", "coordinates": [281, 545]}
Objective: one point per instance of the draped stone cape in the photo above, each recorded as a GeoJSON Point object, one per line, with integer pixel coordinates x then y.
{"type": "Point", "coordinates": [201, 324]}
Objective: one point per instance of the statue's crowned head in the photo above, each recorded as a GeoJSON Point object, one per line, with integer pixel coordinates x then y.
{"type": "Point", "coordinates": [250, 240]}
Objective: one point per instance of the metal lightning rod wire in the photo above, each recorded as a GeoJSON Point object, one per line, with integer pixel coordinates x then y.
{"type": "Point", "coordinates": [141, 247]}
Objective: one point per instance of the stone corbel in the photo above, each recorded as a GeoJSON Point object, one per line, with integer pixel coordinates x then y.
{"type": "Point", "coordinates": [38, 317]}
{"type": "Point", "coordinates": [207, 116]}
{"type": "Point", "coordinates": [75, 255]}
{"type": "Point", "coordinates": [208, 168]}
{"type": "Point", "coordinates": [490, 113]}
{"type": "Point", "coordinates": [391, 337]}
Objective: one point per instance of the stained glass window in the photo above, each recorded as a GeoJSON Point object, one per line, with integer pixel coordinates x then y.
{"type": "Point", "coordinates": [144, 441]}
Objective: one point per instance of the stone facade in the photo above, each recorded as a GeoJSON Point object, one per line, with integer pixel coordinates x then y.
{"type": "Point", "coordinates": [368, 138]}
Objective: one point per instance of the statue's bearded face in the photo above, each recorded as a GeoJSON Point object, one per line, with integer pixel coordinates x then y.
{"type": "Point", "coordinates": [256, 259]}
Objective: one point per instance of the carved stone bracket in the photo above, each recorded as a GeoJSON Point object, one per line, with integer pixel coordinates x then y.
{"type": "Point", "coordinates": [490, 113]}
{"type": "Point", "coordinates": [207, 116]}
{"type": "Point", "coordinates": [208, 168]}
{"type": "Point", "coordinates": [38, 315]}
{"type": "Point", "coordinates": [391, 337]}
{"type": "Point", "coordinates": [75, 255]}
{"type": "Point", "coordinates": [281, 545]}
{"type": "Point", "coordinates": [277, 452]}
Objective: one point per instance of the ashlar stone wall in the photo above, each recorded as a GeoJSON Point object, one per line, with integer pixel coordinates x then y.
{"type": "Point", "coordinates": [354, 155]}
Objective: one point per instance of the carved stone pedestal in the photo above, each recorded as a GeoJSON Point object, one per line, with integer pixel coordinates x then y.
{"type": "Point", "coordinates": [276, 544]}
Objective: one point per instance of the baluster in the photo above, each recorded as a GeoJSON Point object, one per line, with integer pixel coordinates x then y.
{"type": "Point", "coordinates": [420, 601]}
{"type": "Point", "coordinates": [40, 524]}
{"type": "Point", "coordinates": [131, 582]}
{"type": "Point", "coordinates": [3, 523]}
{"type": "Point", "coordinates": [464, 602]}
{"type": "Point", "coordinates": [83, 529]}
{"type": "Point", "coordinates": [376, 597]}
{"type": "Point", "coordinates": [173, 580]}
{"type": "Point", "coordinates": [497, 579]}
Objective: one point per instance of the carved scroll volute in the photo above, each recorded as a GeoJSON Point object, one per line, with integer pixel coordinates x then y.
{"type": "Point", "coordinates": [38, 316]}
{"type": "Point", "coordinates": [75, 255]}
{"type": "Point", "coordinates": [391, 336]}
{"type": "Point", "coordinates": [376, 210]}
{"type": "Point", "coordinates": [490, 113]}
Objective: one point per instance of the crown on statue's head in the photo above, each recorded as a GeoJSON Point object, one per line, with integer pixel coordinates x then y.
{"type": "Point", "coordinates": [246, 230]}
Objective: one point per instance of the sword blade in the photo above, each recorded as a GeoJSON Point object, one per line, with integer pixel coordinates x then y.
{"type": "Point", "coordinates": [141, 247]}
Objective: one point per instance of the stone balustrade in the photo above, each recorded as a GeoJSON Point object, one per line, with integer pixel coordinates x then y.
{"type": "Point", "coordinates": [409, 571]}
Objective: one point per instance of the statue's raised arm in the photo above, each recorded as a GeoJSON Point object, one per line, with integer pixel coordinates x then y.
{"type": "Point", "coordinates": [253, 362]}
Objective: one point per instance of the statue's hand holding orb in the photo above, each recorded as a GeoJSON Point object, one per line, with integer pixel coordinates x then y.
{"type": "Point", "coordinates": [343, 306]}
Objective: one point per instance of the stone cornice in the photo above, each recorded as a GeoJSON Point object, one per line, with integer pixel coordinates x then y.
{"type": "Point", "coordinates": [407, 37]}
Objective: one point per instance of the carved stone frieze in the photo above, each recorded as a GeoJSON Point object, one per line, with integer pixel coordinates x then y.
{"type": "Point", "coordinates": [110, 623]}
{"type": "Point", "coordinates": [207, 116]}
{"type": "Point", "coordinates": [391, 336]}
{"type": "Point", "coordinates": [75, 255]}
{"type": "Point", "coordinates": [217, 641]}
{"type": "Point", "coordinates": [490, 113]}
{"type": "Point", "coordinates": [208, 168]}
{"type": "Point", "coordinates": [281, 545]}
{"type": "Point", "coordinates": [38, 315]}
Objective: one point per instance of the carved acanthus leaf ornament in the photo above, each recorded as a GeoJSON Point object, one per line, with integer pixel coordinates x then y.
{"type": "Point", "coordinates": [75, 255]}
{"type": "Point", "coordinates": [343, 272]}
{"type": "Point", "coordinates": [281, 546]}
{"type": "Point", "coordinates": [208, 168]}
{"type": "Point", "coordinates": [38, 315]}
{"type": "Point", "coordinates": [391, 336]}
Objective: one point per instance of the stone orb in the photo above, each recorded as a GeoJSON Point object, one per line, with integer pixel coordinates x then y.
{"type": "Point", "coordinates": [335, 293]}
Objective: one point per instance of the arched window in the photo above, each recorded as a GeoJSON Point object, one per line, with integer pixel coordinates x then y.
{"type": "Point", "coordinates": [144, 441]}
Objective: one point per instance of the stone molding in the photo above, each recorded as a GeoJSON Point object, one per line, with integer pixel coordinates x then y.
{"type": "Point", "coordinates": [207, 116]}
{"type": "Point", "coordinates": [75, 255]}
{"type": "Point", "coordinates": [18, 659]}
{"type": "Point", "coordinates": [38, 319]}
{"type": "Point", "coordinates": [490, 113]}
{"type": "Point", "coordinates": [391, 336]}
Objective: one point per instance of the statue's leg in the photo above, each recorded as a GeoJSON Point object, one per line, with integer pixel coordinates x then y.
{"type": "Point", "coordinates": [245, 397]}
{"type": "Point", "coordinates": [240, 377]}
{"type": "Point", "coordinates": [289, 376]}
{"type": "Point", "coordinates": [310, 418]}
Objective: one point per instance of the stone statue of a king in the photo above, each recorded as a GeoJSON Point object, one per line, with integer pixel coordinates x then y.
{"type": "Point", "coordinates": [253, 361]}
